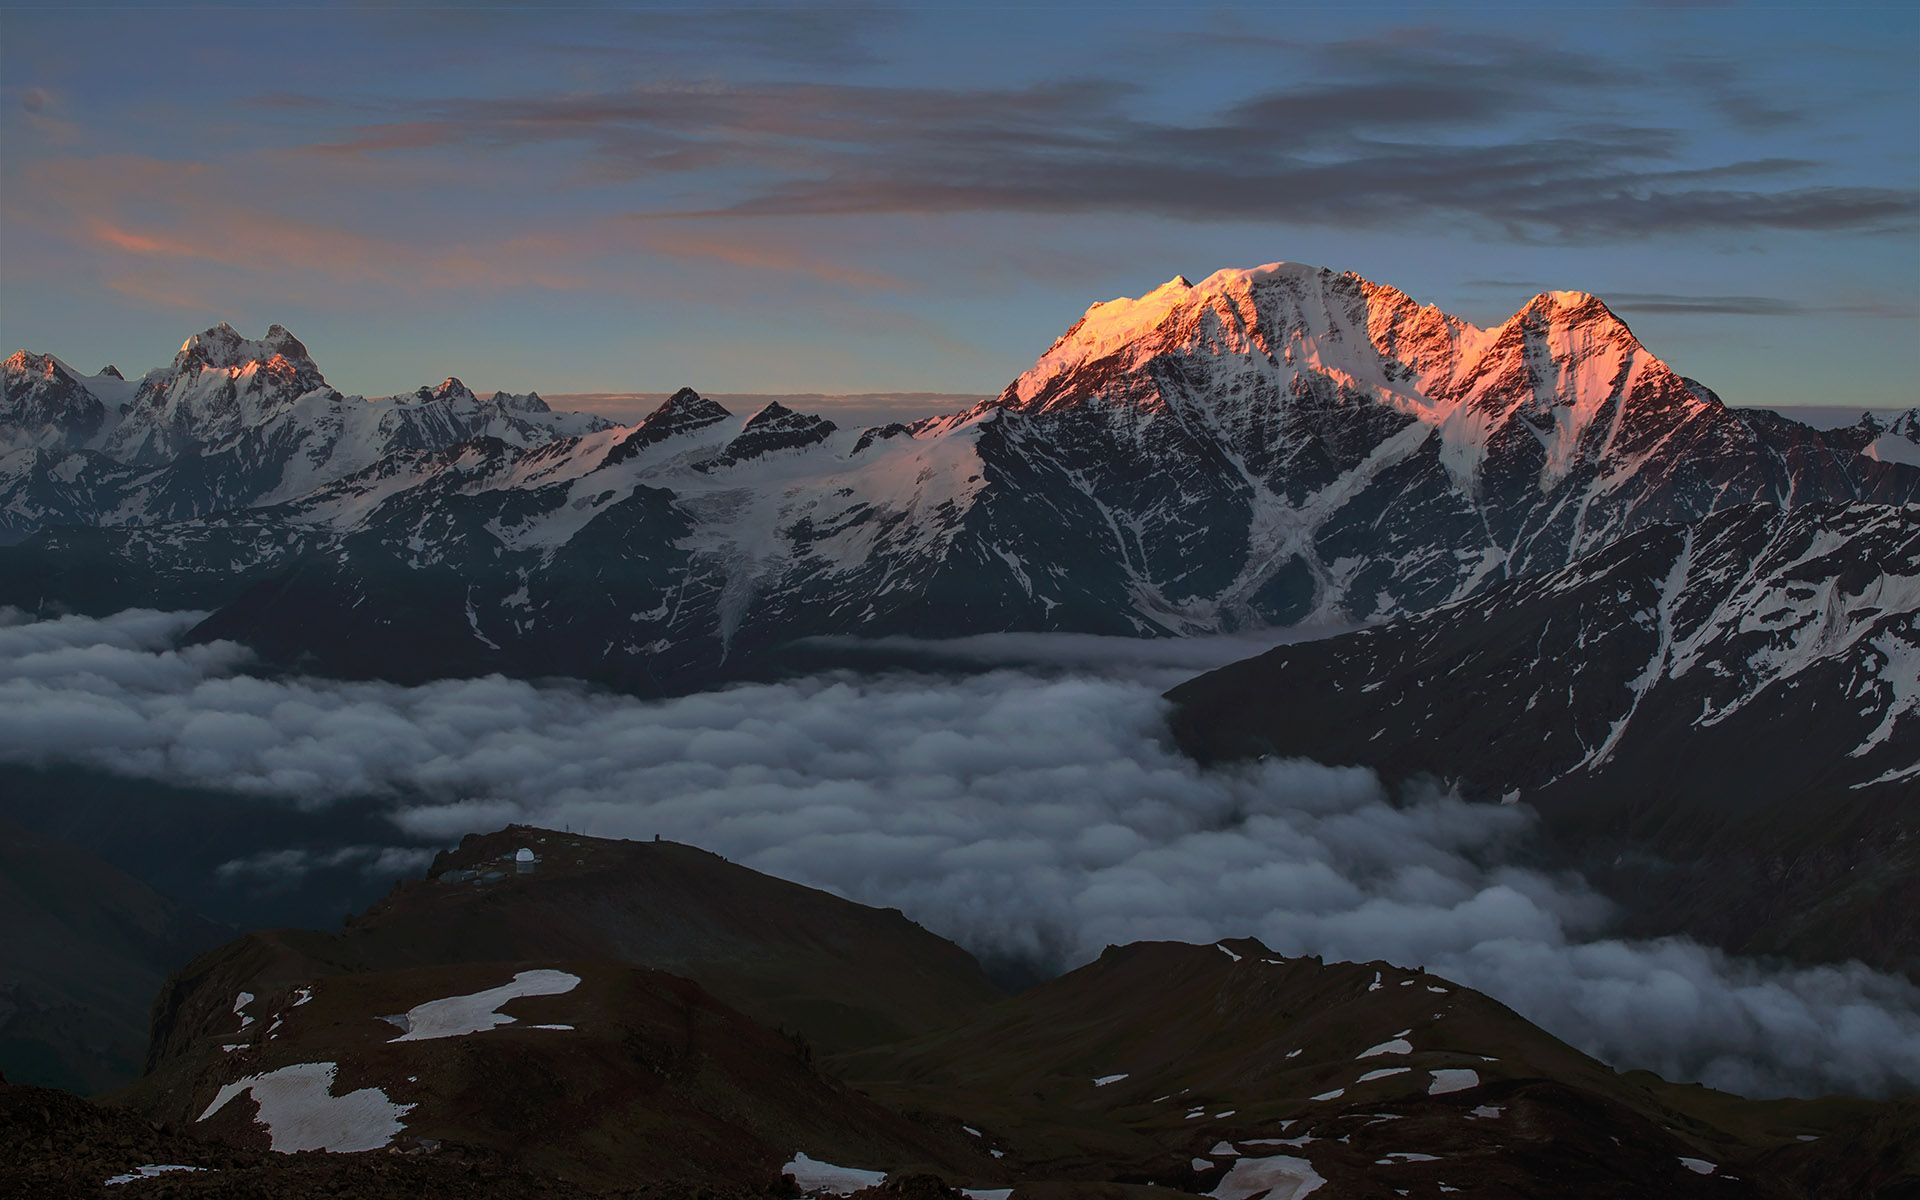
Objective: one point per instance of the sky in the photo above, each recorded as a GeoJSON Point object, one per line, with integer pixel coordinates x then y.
{"type": "Point", "coordinates": [920, 198]}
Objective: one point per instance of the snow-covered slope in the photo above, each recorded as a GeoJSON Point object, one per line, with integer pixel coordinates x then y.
{"type": "Point", "coordinates": [1265, 447]}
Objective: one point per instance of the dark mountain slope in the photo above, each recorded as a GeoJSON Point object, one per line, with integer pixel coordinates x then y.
{"type": "Point", "coordinates": [479, 1017]}
{"type": "Point", "coordinates": [84, 949]}
{"type": "Point", "coordinates": [1189, 1065]}
{"type": "Point", "coordinates": [840, 973]}
{"type": "Point", "coordinates": [603, 1075]}
{"type": "Point", "coordinates": [1741, 696]}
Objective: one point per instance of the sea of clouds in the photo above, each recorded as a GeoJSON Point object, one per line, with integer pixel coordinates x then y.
{"type": "Point", "coordinates": [1032, 811]}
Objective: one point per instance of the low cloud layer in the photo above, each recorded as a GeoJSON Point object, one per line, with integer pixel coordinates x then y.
{"type": "Point", "coordinates": [285, 867]}
{"type": "Point", "coordinates": [1034, 816]}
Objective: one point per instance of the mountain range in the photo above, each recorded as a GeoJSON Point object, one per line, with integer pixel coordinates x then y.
{"type": "Point", "coordinates": [1274, 446]}
{"type": "Point", "coordinates": [1686, 635]}
{"type": "Point", "coordinates": [86, 948]}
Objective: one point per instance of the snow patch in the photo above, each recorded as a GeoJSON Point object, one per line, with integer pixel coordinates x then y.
{"type": "Point", "coordinates": [459, 1015]}
{"type": "Point", "coordinates": [1280, 1177]}
{"type": "Point", "coordinates": [823, 1178]}
{"type": "Point", "coordinates": [1453, 1079]}
{"type": "Point", "coordinates": [148, 1171]}
{"type": "Point", "coordinates": [300, 1112]}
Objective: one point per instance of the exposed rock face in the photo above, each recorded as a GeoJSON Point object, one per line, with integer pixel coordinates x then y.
{"type": "Point", "coordinates": [47, 405]}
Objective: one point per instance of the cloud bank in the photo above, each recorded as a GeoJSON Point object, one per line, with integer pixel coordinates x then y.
{"type": "Point", "coordinates": [1033, 817]}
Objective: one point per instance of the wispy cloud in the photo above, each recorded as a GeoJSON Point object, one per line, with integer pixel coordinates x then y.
{"type": "Point", "coordinates": [1751, 306]}
{"type": "Point", "coordinates": [214, 230]}
{"type": "Point", "coordinates": [1505, 135]}
{"type": "Point", "coordinates": [1709, 304]}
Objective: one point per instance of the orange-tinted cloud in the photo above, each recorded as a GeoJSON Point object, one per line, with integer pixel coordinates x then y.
{"type": "Point", "coordinates": [108, 234]}
{"type": "Point", "coordinates": [760, 255]}
{"type": "Point", "coordinates": [178, 221]}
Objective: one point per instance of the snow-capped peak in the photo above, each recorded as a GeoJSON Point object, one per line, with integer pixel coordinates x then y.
{"type": "Point", "coordinates": [220, 383]}
{"type": "Point", "coordinates": [46, 404]}
{"type": "Point", "coordinates": [449, 388]}
{"type": "Point", "coordinates": [529, 403]}
{"type": "Point", "coordinates": [687, 404]}
{"type": "Point", "coordinates": [1571, 308]}
{"type": "Point", "coordinates": [223, 347]}
{"type": "Point", "coordinates": [1161, 320]}
{"type": "Point", "coordinates": [770, 413]}
{"type": "Point", "coordinates": [25, 361]}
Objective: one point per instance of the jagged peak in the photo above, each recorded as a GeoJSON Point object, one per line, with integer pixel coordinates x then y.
{"type": "Point", "coordinates": [1170, 316]}
{"type": "Point", "coordinates": [223, 346]}
{"type": "Point", "coordinates": [1228, 279]}
{"type": "Point", "coordinates": [778, 414]}
{"type": "Point", "coordinates": [1110, 324]}
{"type": "Point", "coordinates": [112, 372]}
{"type": "Point", "coordinates": [529, 403]}
{"type": "Point", "coordinates": [1569, 305]}
{"type": "Point", "coordinates": [1350, 334]}
{"type": "Point", "coordinates": [687, 403]}
{"type": "Point", "coordinates": [449, 388]}
{"type": "Point", "coordinates": [1572, 310]}
{"type": "Point", "coordinates": [46, 366]}
{"type": "Point", "coordinates": [684, 411]}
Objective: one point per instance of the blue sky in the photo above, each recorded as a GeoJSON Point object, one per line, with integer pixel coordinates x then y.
{"type": "Point", "coordinates": [908, 197]}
